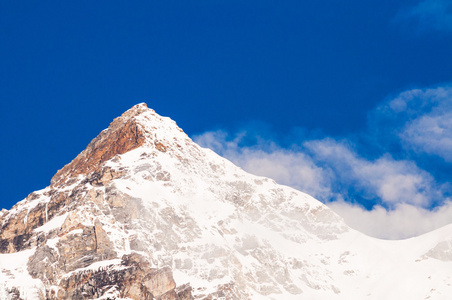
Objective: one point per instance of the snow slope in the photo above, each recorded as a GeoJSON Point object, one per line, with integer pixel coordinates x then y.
{"type": "Point", "coordinates": [220, 228]}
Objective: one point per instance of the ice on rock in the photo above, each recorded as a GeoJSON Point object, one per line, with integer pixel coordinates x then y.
{"type": "Point", "coordinates": [159, 200]}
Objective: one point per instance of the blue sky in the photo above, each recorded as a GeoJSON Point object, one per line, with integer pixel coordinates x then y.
{"type": "Point", "coordinates": [350, 103]}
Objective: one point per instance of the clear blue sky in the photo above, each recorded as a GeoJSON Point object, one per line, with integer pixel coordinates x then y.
{"type": "Point", "coordinates": [314, 74]}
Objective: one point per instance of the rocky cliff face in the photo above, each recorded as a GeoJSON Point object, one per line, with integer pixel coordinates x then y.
{"type": "Point", "coordinates": [145, 213]}
{"type": "Point", "coordinates": [123, 134]}
{"type": "Point", "coordinates": [63, 226]}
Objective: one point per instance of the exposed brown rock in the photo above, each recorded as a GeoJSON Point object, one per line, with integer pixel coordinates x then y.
{"type": "Point", "coordinates": [43, 264]}
{"type": "Point", "coordinates": [15, 294]}
{"type": "Point", "coordinates": [159, 146]}
{"type": "Point", "coordinates": [159, 282]}
{"type": "Point", "coordinates": [184, 292]}
{"type": "Point", "coordinates": [16, 231]}
{"type": "Point", "coordinates": [104, 247]}
{"type": "Point", "coordinates": [66, 250]}
{"type": "Point", "coordinates": [132, 281]}
{"type": "Point", "coordinates": [77, 250]}
{"type": "Point", "coordinates": [123, 135]}
{"type": "Point", "coordinates": [227, 291]}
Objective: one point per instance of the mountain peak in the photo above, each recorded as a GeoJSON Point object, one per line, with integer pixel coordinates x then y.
{"type": "Point", "coordinates": [135, 110]}
{"type": "Point", "coordinates": [145, 213]}
{"type": "Point", "coordinates": [135, 127]}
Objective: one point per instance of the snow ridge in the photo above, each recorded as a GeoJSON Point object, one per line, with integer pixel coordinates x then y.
{"type": "Point", "coordinates": [226, 233]}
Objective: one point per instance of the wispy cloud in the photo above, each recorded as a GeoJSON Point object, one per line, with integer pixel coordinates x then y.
{"type": "Point", "coordinates": [334, 173]}
{"type": "Point", "coordinates": [421, 119]}
{"type": "Point", "coordinates": [406, 200]}
{"type": "Point", "coordinates": [266, 158]}
{"type": "Point", "coordinates": [428, 15]}
{"type": "Point", "coordinates": [392, 181]}
{"type": "Point", "coordinates": [402, 222]}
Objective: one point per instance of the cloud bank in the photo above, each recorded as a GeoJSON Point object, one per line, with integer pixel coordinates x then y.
{"type": "Point", "coordinates": [391, 181]}
{"type": "Point", "coordinates": [288, 167]}
{"type": "Point", "coordinates": [402, 222]}
{"type": "Point", "coordinates": [402, 198]}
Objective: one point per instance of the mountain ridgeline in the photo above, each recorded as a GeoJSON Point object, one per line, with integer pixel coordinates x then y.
{"type": "Point", "coordinates": [145, 213]}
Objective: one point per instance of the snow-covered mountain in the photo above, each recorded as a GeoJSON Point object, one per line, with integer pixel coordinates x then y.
{"type": "Point", "coordinates": [145, 213]}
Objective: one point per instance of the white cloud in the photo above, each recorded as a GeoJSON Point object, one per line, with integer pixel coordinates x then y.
{"type": "Point", "coordinates": [429, 14]}
{"type": "Point", "coordinates": [392, 181]}
{"type": "Point", "coordinates": [431, 134]}
{"type": "Point", "coordinates": [292, 168]}
{"type": "Point", "coordinates": [422, 119]}
{"type": "Point", "coordinates": [418, 120]}
{"type": "Point", "coordinates": [324, 166]}
{"type": "Point", "coordinates": [403, 221]}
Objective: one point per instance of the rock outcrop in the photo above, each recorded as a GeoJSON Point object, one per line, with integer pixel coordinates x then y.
{"type": "Point", "coordinates": [145, 213]}
{"type": "Point", "coordinates": [123, 135]}
{"type": "Point", "coordinates": [74, 256]}
{"type": "Point", "coordinates": [133, 279]}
